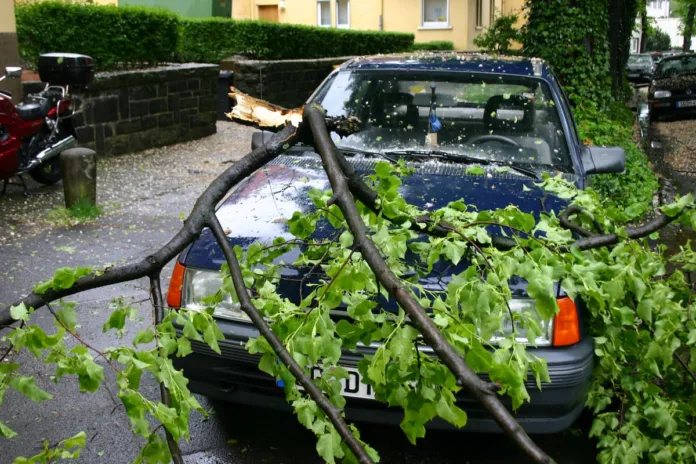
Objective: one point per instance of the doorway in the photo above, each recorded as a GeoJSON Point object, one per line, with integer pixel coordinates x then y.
{"type": "Point", "coordinates": [268, 13]}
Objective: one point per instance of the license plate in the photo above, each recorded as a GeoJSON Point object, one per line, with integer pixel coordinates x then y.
{"type": "Point", "coordinates": [351, 387]}
{"type": "Point", "coordinates": [686, 104]}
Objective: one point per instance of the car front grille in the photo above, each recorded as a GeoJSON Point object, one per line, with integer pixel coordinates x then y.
{"type": "Point", "coordinates": [561, 377]}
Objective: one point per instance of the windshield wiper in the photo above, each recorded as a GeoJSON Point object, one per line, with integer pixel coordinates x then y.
{"type": "Point", "coordinates": [357, 151]}
{"type": "Point", "coordinates": [522, 169]}
{"type": "Point", "coordinates": [445, 155]}
{"type": "Point", "coordinates": [346, 151]}
{"type": "Point", "coordinates": [466, 159]}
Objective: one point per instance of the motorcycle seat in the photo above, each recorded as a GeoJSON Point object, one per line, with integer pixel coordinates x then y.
{"type": "Point", "coordinates": [34, 108]}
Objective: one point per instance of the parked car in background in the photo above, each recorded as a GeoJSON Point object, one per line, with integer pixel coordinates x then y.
{"type": "Point", "coordinates": [673, 88]}
{"type": "Point", "coordinates": [639, 68]}
{"type": "Point", "coordinates": [508, 113]}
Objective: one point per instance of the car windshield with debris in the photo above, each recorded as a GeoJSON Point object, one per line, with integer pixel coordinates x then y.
{"type": "Point", "coordinates": [494, 118]}
{"type": "Point", "coordinates": [677, 66]}
{"type": "Point", "coordinates": [639, 60]}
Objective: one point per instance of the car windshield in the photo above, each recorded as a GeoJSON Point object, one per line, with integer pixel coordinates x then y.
{"type": "Point", "coordinates": [673, 67]}
{"type": "Point", "coordinates": [493, 117]}
{"type": "Point", "coordinates": [639, 60]}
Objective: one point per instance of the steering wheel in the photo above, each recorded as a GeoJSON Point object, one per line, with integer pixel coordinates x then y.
{"type": "Point", "coordinates": [492, 138]}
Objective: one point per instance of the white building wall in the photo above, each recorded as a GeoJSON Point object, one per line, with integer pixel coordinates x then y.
{"type": "Point", "coordinates": [658, 8]}
{"type": "Point", "coordinates": [672, 27]}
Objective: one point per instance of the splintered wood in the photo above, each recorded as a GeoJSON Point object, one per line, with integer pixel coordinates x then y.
{"type": "Point", "coordinates": [260, 113]}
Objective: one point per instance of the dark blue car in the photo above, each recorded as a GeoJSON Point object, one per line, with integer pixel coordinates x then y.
{"type": "Point", "coordinates": [444, 115]}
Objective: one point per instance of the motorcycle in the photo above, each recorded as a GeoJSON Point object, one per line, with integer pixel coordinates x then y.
{"type": "Point", "coordinates": [34, 132]}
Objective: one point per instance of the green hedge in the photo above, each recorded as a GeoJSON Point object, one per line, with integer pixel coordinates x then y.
{"type": "Point", "coordinates": [113, 36]}
{"type": "Point", "coordinates": [210, 40]}
{"type": "Point", "coordinates": [434, 45]}
{"type": "Point", "coordinates": [126, 36]}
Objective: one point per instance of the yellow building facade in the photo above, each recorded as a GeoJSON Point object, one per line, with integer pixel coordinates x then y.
{"type": "Point", "coordinates": [458, 21]}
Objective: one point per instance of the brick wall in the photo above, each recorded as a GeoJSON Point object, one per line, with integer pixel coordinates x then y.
{"type": "Point", "coordinates": [287, 83]}
{"type": "Point", "coordinates": [129, 111]}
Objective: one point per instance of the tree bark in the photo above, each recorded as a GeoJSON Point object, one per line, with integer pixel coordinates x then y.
{"type": "Point", "coordinates": [643, 28]}
{"type": "Point", "coordinates": [688, 28]}
{"type": "Point", "coordinates": [622, 20]}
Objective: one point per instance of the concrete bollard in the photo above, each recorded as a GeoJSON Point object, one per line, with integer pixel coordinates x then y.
{"type": "Point", "coordinates": [79, 169]}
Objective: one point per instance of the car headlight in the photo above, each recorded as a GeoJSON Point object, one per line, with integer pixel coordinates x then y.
{"type": "Point", "coordinates": [663, 94]}
{"type": "Point", "coordinates": [199, 284]}
{"type": "Point", "coordinates": [527, 306]}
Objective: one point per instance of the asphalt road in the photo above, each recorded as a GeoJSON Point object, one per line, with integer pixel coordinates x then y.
{"type": "Point", "coordinates": [144, 196]}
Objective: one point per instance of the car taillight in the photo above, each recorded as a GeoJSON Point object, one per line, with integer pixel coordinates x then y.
{"type": "Point", "coordinates": [566, 324]}
{"type": "Point", "coordinates": [175, 286]}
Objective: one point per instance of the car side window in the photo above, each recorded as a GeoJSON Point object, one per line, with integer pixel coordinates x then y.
{"type": "Point", "coordinates": [566, 101]}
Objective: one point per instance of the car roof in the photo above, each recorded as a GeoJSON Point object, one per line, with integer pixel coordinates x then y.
{"type": "Point", "coordinates": [453, 61]}
{"type": "Point", "coordinates": [678, 56]}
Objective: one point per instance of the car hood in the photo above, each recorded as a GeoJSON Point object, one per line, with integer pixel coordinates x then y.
{"type": "Point", "coordinates": [260, 205]}
{"type": "Point", "coordinates": [675, 83]}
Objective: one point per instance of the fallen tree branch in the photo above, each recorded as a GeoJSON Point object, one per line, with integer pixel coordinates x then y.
{"type": "Point", "coordinates": [483, 392]}
{"type": "Point", "coordinates": [193, 226]}
{"type": "Point", "coordinates": [566, 223]}
{"type": "Point", "coordinates": [260, 113]}
{"type": "Point", "coordinates": [266, 332]}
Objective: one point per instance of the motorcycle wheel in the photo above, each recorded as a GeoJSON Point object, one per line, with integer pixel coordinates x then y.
{"type": "Point", "coordinates": [48, 173]}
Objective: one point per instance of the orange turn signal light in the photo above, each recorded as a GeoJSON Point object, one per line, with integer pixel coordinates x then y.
{"type": "Point", "coordinates": [175, 285]}
{"type": "Point", "coordinates": [566, 324]}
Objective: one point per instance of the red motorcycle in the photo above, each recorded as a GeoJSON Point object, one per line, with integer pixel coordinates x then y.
{"type": "Point", "coordinates": [34, 132]}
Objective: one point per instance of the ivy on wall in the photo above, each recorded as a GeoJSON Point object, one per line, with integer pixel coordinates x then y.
{"type": "Point", "coordinates": [572, 36]}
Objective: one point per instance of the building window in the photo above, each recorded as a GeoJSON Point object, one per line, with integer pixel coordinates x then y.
{"type": "Point", "coordinates": [324, 13]}
{"type": "Point", "coordinates": [479, 13]}
{"type": "Point", "coordinates": [343, 13]}
{"type": "Point", "coordinates": [435, 13]}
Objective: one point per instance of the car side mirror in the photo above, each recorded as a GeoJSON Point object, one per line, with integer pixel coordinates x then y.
{"type": "Point", "coordinates": [260, 137]}
{"type": "Point", "coordinates": [603, 160]}
{"type": "Point", "coordinates": [13, 71]}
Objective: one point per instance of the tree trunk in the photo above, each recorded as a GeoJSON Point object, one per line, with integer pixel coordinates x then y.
{"type": "Point", "coordinates": [643, 28]}
{"type": "Point", "coordinates": [622, 20]}
{"type": "Point", "coordinates": [689, 28]}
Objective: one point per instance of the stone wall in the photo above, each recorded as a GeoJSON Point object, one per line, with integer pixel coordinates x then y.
{"type": "Point", "coordinates": [286, 83]}
{"type": "Point", "coordinates": [129, 111]}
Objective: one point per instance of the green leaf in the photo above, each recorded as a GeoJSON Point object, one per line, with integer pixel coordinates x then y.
{"type": "Point", "coordinates": [383, 169]}
{"type": "Point", "coordinates": [346, 239]}
{"type": "Point", "coordinates": [474, 170]}
{"type": "Point", "coordinates": [447, 410]}
{"type": "Point", "coordinates": [183, 347]}
{"type": "Point", "coordinates": [542, 290]}
{"type": "Point", "coordinates": [478, 358]}
{"type": "Point", "coordinates": [378, 365]}
{"type": "Point", "coordinates": [6, 432]}
{"type": "Point", "coordinates": [143, 337]}
{"type": "Point", "coordinates": [329, 446]}
{"type": "Point", "coordinates": [644, 310]}
{"type": "Point", "coordinates": [28, 388]}
{"type": "Point", "coordinates": [117, 320]}
{"type": "Point", "coordinates": [19, 313]}
{"type": "Point", "coordinates": [68, 316]}
{"type": "Point", "coordinates": [401, 345]}
{"type": "Point", "coordinates": [77, 441]}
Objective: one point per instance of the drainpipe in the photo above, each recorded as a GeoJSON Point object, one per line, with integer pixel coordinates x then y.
{"type": "Point", "coordinates": [381, 17]}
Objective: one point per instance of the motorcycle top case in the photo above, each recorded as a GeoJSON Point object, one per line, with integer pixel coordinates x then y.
{"type": "Point", "coordinates": [66, 69]}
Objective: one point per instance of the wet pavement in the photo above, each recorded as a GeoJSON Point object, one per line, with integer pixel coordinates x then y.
{"type": "Point", "coordinates": [144, 196]}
